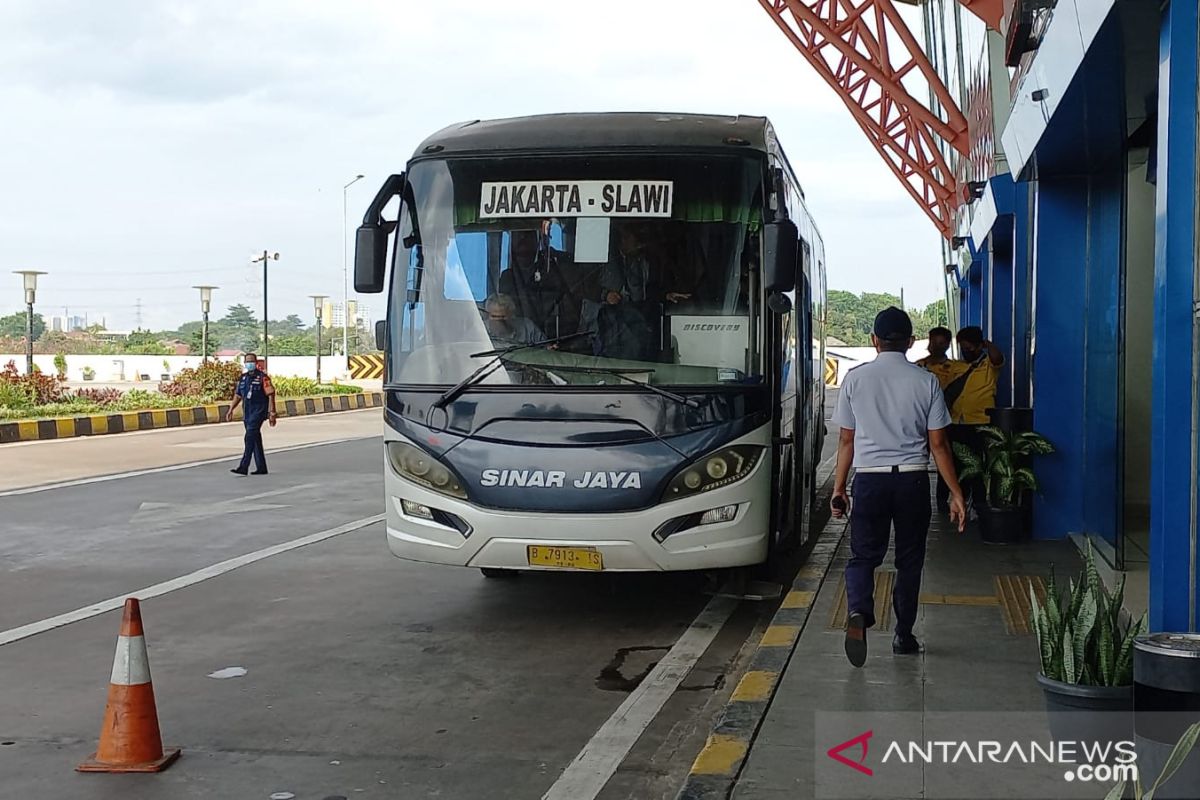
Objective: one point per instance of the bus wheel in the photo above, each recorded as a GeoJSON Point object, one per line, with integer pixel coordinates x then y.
{"type": "Point", "coordinates": [496, 572]}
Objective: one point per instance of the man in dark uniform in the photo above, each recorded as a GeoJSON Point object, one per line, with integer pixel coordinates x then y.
{"type": "Point", "coordinates": [892, 415]}
{"type": "Point", "coordinates": [256, 394]}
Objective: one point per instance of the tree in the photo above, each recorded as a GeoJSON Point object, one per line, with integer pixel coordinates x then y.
{"type": "Point", "coordinates": [292, 324]}
{"type": "Point", "coordinates": [196, 342]}
{"type": "Point", "coordinates": [850, 317]}
{"type": "Point", "coordinates": [13, 326]}
{"type": "Point", "coordinates": [296, 344]}
{"type": "Point", "coordinates": [239, 328]}
{"type": "Point", "coordinates": [935, 312]}
{"type": "Point", "coordinates": [239, 316]}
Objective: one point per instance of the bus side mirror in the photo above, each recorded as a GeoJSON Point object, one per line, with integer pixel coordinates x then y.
{"type": "Point", "coordinates": [371, 239]}
{"type": "Point", "coordinates": [780, 251]}
{"type": "Point", "coordinates": [370, 258]}
{"type": "Point", "coordinates": [380, 334]}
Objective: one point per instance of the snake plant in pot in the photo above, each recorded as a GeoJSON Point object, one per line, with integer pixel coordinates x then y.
{"type": "Point", "coordinates": [1085, 644]}
{"type": "Point", "coordinates": [1004, 471]}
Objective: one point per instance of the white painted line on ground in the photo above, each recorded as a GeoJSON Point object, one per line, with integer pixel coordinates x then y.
{"type": "Point", "coordinates": [45, 487]}
{"type": "Point", "coordinates": [183, 581]}
{"type": "Point", "coordinates": [586, 776]}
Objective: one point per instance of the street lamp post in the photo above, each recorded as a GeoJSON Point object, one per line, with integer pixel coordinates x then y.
{"type": "Point", "coordinates": [346, 269]}
{"type": "Point", "coordinates": [264, 258]}
{"type": "Point", "coordinates": [319, 309]}
{"type": "Point", "coordinates": [205, 307]}
{"type": "Point", "coordinates": [29, 277]}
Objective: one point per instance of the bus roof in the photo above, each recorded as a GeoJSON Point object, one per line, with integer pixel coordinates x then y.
{"type": "Point", "coordinates": [597, 131]}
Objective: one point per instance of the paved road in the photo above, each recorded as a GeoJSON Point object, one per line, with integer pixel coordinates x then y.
{"type": "Point", "coordinates": [365, 675]}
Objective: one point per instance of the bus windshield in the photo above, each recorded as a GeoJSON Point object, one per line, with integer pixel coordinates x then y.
{"type": "Point", "coordinates": [643, 263]}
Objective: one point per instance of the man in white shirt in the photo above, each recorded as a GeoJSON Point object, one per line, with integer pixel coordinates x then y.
{"type": "Point", "coordinates": [892, 415]}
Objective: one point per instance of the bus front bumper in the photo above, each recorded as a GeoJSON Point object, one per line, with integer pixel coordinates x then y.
{"type": "Point", "coordinates": [468, 536]}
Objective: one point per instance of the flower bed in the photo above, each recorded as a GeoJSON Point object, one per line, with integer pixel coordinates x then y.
{"type": "Point", "coordinates": [44, 397]}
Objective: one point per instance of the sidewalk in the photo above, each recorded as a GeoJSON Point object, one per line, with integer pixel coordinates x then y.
{"type": "Point", "coordinates": [979, 654]}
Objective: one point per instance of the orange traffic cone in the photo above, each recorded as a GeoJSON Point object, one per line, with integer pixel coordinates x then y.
{"type": "Point", "coordinates": [129, 738]}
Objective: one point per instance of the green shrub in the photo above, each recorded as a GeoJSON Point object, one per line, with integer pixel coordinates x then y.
{"type": "Point", "coordinates": [294, 387]}
{"type": "Point", "coordinates": [42, 389]}
{"type": "Point", "coordinates": [307, 387]}
{"type": "Point", "coordinates": [215, 380]}
{"type": "Point", "coordinates": [14, 395]}
{"type": "Point", "coordinates": [60, 364]}
{"type": "Point", "coordinates": [102, 397]}
{"type": "Point", "coordinates": [338, 388]}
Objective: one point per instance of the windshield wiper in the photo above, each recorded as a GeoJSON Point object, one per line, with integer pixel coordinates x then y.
{"type": "Point", "coordinates": [491, 366]}
{"type": "Point", "coordinates": [618, 372]}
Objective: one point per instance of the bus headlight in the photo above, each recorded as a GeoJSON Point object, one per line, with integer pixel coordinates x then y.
{"type": "Point", "coordinates": [725, 466]}
{"type": "Point", "coordinates": [423, 469]}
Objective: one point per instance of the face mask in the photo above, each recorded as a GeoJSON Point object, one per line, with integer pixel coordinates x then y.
{"type": "Point", "coordinates": [248, 366]}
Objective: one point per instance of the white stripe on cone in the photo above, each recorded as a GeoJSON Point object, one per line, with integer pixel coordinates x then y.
{"type": "Point", "coordinates": [131, 666]}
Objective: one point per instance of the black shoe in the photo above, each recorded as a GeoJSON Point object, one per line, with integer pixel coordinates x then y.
{"type": "Point", "coordinates": [856, 639]}
{"type": "Point", "coordinates": [905, 645]}
{"type": "Point", "coordinates": [259, 472]}
{"type": "Point", "coordinates": [237, 471]}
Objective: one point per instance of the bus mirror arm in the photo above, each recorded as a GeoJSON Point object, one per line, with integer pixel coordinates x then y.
{"type": "Point", "coordinates": [370, 240]}
{"type": "Point", "coordinates": [780, 252]}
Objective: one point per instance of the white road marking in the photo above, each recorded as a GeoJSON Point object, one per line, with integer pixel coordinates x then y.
{"type": "Point", "coordinates": [156, 470]}
{"type": "Point", "coordinates": [171, 513]}
{"type": "Point", "coordinates": [183, 581]}
{"type": "Point", "coordinates": [586, 776]}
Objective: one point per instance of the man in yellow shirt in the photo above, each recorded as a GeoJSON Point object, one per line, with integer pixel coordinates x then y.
{"type": "Point", "coordinates": [976, 373]}
{"type": "Point", "coordinates": [981, 362]}
{"type": "Point", "coordinates": [944, 368]}
{"type": "Point", "coordinates": [984, 360]}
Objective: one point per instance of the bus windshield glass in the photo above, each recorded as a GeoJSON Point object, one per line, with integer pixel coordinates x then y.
{"type": "Point", "coordinates": [642, 263]}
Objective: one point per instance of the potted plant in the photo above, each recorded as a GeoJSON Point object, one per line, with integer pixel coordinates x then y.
{"type": "Point", "coordinates": [60, 365]}
{"type": "Point", "coordinates": [1003, 467]}
{"type": "Point", "coordinates": [1085, 644]}
{"type": "Point", "coordinates": [89, 373]}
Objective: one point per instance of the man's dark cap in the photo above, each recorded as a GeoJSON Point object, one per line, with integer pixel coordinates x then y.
{"type": "Point", "coordinates": [893, 325]}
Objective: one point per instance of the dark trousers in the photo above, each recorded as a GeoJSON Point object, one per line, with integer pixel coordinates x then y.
{"type": "Point", "coordinates": [254, 447]}
{"type": "Point", "coordinates": [974, 488]}
{"type": "Point", "coordinates": [883, 501]}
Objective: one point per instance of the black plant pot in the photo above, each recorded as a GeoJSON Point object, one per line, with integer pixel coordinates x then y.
{"type": "Point", "coordinates": [1003, 525]}
{"type": "Point", "coordinates": [1088, 713]}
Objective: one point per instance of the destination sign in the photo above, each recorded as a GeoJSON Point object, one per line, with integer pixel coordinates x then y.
{"type": "Point", "coordinates": [576, 199]}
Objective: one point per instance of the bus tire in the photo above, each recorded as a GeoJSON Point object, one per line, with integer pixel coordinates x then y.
{"type": "Point", "coordinates": [498, 573]}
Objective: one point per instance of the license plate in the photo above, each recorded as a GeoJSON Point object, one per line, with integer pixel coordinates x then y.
{"type": "Point", "coordinates": [565, 557]}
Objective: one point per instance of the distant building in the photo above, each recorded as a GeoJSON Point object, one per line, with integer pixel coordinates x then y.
{"type": "Point", "coordinates": [67, 324]}
{"type": "Point", "coordinates": [332, 315]}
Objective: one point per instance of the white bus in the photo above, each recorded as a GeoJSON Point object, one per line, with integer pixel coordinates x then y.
{"type": "Point", "coordinates": [603, 344]}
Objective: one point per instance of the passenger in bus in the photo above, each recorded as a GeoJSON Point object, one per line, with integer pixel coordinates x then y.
{"type": "Point", "coordinates": [537, 282]}
{"type": "Point", "coordinates": [505, 326]}
{"type": "Point", "coordinates": [621, 331]}
{"type": "Point", "coordinates": [634, 272]}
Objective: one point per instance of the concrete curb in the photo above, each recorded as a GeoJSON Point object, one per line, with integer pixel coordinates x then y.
{"type": "Point", "coordinates": [715, 771]}
{"type": "Point", "coordinates": [101, 424]}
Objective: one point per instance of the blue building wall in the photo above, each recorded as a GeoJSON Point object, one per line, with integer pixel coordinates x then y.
{"type": "Point", "coordinates": [1173, 566]}
{"type": "Point", "coordinates": [1048, 281]}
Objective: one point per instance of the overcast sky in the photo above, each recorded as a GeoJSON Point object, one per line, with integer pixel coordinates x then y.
{"type": "Point", "coordinates": [150, 146]}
